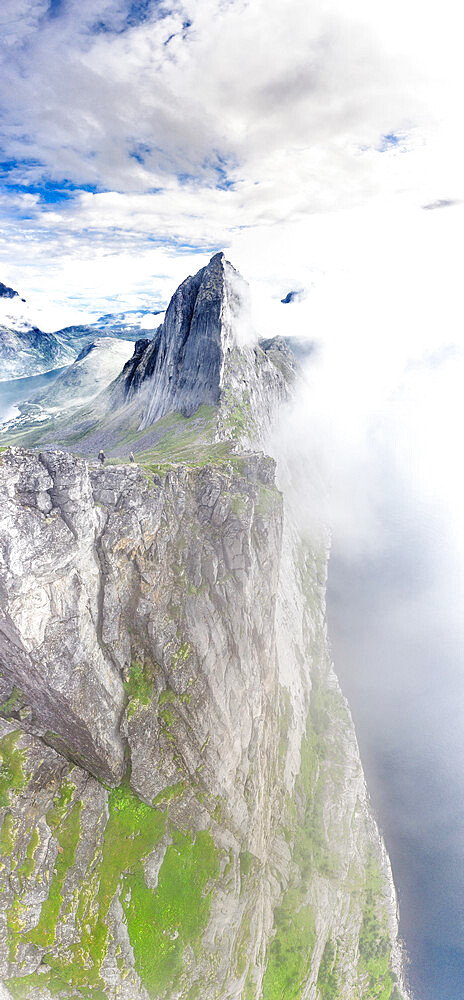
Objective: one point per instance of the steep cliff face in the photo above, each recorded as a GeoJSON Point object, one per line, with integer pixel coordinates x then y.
{"type": "Point", "coordinates": [202, 362]}
{"type": "Point", "coordinates": [183, 808]}
{"type": "Point", "coordinates": [204, 354]}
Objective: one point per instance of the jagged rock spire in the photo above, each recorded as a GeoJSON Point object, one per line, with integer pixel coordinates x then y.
{"type": "Point", "coordinates": [185, 360]}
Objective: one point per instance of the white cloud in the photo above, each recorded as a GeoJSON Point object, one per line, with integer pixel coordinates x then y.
{"type": "Point", "coordinates": [210, 122]}
{"type": "Point", "coordinates": [383, 302]}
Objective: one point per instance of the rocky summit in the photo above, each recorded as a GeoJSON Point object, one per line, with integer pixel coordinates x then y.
{"type": "Point", "coordinates": [183, 811]}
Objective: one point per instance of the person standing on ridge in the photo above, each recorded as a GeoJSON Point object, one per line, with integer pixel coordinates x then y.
{"type": "Point", "coordinates": [101, 456]}
{"type": "Point", "coordinates": [131, 456]}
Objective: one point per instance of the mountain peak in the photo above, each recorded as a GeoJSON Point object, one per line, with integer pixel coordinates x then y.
{"type": "Point", "coordinates": [182, 366]}
{"type": "Point", "coordinates": [7, 293]}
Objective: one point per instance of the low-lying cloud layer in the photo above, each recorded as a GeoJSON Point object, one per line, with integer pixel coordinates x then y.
{"type": "Point", "coordinates": [374, 439]}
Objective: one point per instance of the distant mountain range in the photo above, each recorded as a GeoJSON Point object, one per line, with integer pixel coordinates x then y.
{"type": "Point", "coordinates": [77, 385]}
{"type": "Point", "coordinates": [127, 325]}
{"type": "Point", "coordinates": [26, 350]}
{"type": "Point", "coordinates": [8, 293]}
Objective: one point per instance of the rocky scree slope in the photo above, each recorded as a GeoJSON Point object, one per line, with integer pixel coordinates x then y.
{"type": "Point", "coordinates": [76, 386]}
{"type": "Point", "coordinates": [183, 812]}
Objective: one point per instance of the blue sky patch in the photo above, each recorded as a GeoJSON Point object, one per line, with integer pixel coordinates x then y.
{"type": "Point", "coordinates": [389, 140]}
{"type": "Point", "coordinates": [138, 11]}
{"type": "Point", "coordinates": [50, 192]}
{"type": "Point", "coordinates": [54, 8]}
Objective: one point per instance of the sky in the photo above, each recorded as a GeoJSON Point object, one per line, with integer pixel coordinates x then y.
{"type": "Point", "coordinates": [139, 137]}
{"type": "Point", "coordinates": [320, 144]}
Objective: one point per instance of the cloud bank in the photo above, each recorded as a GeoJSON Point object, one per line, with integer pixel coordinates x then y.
{"type": "Point", "coordinates": [146, 129]}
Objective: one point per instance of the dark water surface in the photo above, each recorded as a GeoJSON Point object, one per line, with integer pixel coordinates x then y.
{"type": "Point", "coordinates": [397, 634]}
{"type": "Point", "coordinates": [19, 389]}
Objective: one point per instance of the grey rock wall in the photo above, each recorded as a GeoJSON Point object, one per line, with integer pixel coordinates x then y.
{"type": "Point", "coordinates": [183, 808]}
{"type": "Point", "coordinates": [204, 354]}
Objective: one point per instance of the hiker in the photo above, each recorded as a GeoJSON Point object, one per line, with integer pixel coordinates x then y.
{"type": "Point", "coordinates": [101, 456]}
{"type": "Point", "coordinates": [131, 456]}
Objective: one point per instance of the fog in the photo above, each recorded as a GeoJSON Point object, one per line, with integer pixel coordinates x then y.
{"type": "Point", "coordinates": [395, 621]}
{"type": "Point", "coordinates": [374, 439]}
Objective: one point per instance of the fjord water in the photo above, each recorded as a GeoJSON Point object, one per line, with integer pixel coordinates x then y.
{"type": "Point", "coordinates": [397, 635]}
{"type": "Point", "coordinates": [17, 390]}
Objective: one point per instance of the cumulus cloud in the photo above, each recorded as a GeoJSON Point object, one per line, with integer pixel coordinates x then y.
{"type": "Point", "coordinates": [127, 123]}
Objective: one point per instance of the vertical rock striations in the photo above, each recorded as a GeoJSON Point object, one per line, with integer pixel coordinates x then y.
{"type": "Point", "coordinates": [183, 812]}
{"type": "Point", "coordinates": [184, 362]}
{"type": "Point", "coordinates": [205, 353]}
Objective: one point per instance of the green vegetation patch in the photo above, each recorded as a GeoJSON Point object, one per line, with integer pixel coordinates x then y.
{"type": "Point", "coordinates": [239, 504]}
{"type": "Point", "coordinates": [13, 703]}
{"type": "Point", "coordinates": [66, 827]}
{"type": "Point", "coordinates": [27, 868]}
{"type": "Point", "coordinates": [311, 847]}
{"type": "Point", "coordinates": [170, 793]}
{"type": "Point", "coordinates": [374, 942]}
{"type": "Point", "coordinates": [181, 655]}
{"type": "Point", "coordinates": [138, 687]}
{"type": "Point", "coordinates": [268, 499]}
{"type": "Point", "coordinates": [242, 950]}
{"type": "Point", "coordinates": [163, 923]}
{"type": "Point", "coordinates": [184, 440]}
{"type": "Point", "coordinates": [247, 864]}
{"type": "Point", "coordinates": [132, 831]}
{"type": "Point", "coordinates": [239, 420]}
{"type": "Point", "coordinates": [327, 980]}
{"type": "Point", "coordinates": [12, 774]}
{"type": "Point", "coordinates": [289, 957]}
{"type": "Point", "coordinates": [15, 922]}
{"type": "Point", "coordinates": [167, 697]}
{"type": "Point", "coordinates": [7, 835]}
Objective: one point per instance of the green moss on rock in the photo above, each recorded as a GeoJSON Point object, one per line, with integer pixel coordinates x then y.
{"type": "Point", "coordinates": [12, 763]}
{"type": "Point", "coordinates": [132, 830]}
{"type": "Point", "coordinates": [374, 942]}
{"type": "Point", "coordinates": [169, 793]}
{"type": "Point", "coordinates": [182, 655]}
{"type": "Point", "coordinates": [162, 924]}
{"type": "Point", "coordinates": [327, 979]}
{"type": "Point", "coordinates": [7, 835]}
{"type": "Point", "coordinates": [139, 687]}
{"type": "Point", "coordinates": [13, 703]}
{"type": "Point", "coordinates": [67, 831]}
{"type": "Point", "coordinates": [27, 868]}
{"type": "Point", "coordinates": [289, 956]}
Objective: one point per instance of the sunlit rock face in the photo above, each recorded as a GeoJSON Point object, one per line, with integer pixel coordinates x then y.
{"type": "Point", "coordinates": [183, 812]}
{"type": "Point", "coordinates": [185, 360]}
{"type": "Point", "coordinates": [205, 352]}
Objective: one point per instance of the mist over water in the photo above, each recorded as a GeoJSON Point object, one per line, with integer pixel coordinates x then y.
{"type": "Point", "coordinates": [374, 444]}
{"type": "Point", "coordinates": [398, 641]}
